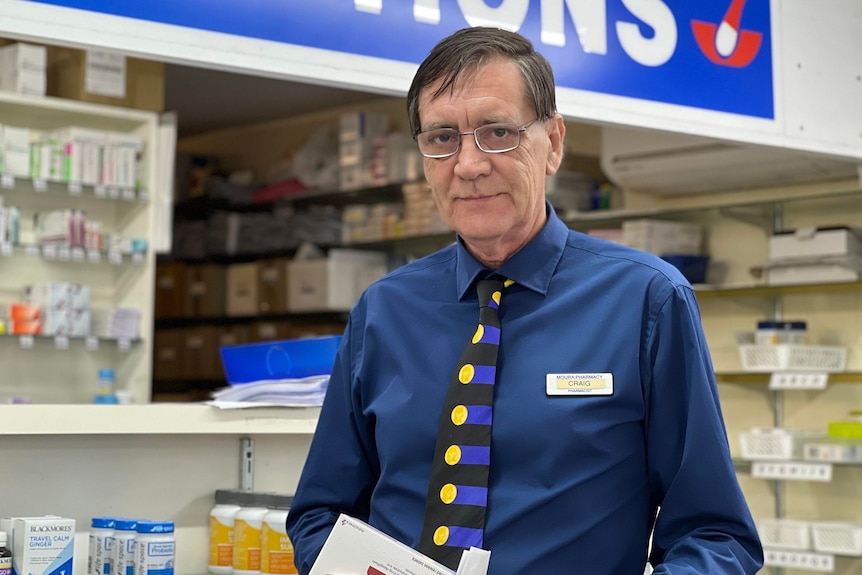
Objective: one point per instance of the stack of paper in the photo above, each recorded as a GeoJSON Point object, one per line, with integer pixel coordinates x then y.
{"type": "Point", "coordinates": [304, 392]}
{"type": "Point", "coordinates": [354, 547]}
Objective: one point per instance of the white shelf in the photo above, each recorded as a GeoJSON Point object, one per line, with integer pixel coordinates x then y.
{"type": "Point", "coordinates": [154, 419]}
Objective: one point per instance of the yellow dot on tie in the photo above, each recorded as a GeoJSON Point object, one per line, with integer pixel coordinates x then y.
{"type": "Point", "coordinates": [448, 493]}
{"type": "Point", "coordinates": [459, 415]}
{"type": "Point", "coordinates": [441, 535]}
{"type": "Point", "coordinates": [465, 375]}
{"type": "Point", "coordinates": [496, 297]}
{"type": "Point", "coordinates": [480, 331]}
{"type": "Point", "coordinates": [507, 283]}
{"type": "Point", "coordinates": [453, 455]}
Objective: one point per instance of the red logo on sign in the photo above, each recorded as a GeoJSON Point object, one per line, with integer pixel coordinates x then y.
{"type": "Point", "coordinates": [726, 44]}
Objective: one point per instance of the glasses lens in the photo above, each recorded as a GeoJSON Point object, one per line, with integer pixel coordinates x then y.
{"type": "Point", "coordinates": [498, 137]}
{"type": "Point", "coordinates": [440, 142]}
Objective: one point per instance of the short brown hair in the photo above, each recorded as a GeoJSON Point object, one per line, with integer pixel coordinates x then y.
{"type": "Point", "coordinates": [448, 59]}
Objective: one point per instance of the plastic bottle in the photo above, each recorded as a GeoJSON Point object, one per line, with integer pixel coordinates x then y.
{"type": "Point", "coordinates": [101, 545]}
{"type": "Point", "coordinates": [276, 549]}
{"type": "Point", "coordinates": [105, 393]}
{"type": "Point", "coordinates": [124, 546]}
{"type": "Point", "coordinates": [246, 537]}
{"type": "Point", "coordinates": [155, 548]}
{"type": "Point", "coordinates": [5, 556]}
{"type": "Point", "coordinates": [222, 518]}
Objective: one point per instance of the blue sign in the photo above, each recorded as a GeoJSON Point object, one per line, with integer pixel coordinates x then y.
{"type": "Point", "coordinates": [709, 54]}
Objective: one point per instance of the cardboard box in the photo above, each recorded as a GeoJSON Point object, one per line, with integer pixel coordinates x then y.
{"type": "Point", "coordinates": [23, 69]}
{"type": "Point", "coordinates": [811, 274]}
{"type": "Point", "coordinates": [200, 353]}
{"type": "Point", "coordinates": [167, 356]}
{"type": "Point", "coordinates": [333, 283]}
{"type": "Point", "coordinates": [242, 289]}
{"type": "Point", "coordinates": [145, 80]}
{"type": "Point", "coordinates": [205, 291]}
{"type": "Point", "coordinates": [272, 286]}
{"type": "Point", "coordinates": [815, 242]}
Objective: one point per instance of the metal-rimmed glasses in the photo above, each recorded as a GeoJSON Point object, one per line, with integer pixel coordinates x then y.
{"type": "Point", "coordinates": [490, 138]}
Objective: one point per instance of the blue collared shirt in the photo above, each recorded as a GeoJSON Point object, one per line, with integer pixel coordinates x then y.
{"type": "Point", "coordinates": [575, 481]}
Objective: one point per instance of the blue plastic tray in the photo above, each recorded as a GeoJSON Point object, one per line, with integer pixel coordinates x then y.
{"type": "Point", "coordinates": [288, 358]}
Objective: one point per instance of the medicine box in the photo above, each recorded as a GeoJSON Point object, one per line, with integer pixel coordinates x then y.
{"type": "Point", "coordinates": [23, 69]}
{"type": "Point", "coordinates": [43, 545]}
{"type": "Point", "coordinates": [58, 295]}
{"type": "Point", "coordinates": [333, 283]}
{"type": "Point", "coordinates": [662, 237]}
{"type": "Point", "coordinates": [815, 242]}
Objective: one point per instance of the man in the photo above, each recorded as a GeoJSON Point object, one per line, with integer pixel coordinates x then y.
{"type": "Point", "coordinates": [575, 479]}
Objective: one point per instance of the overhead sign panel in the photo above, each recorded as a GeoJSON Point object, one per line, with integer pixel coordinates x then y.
{"type": "Point", "coordinates": [710, 54]}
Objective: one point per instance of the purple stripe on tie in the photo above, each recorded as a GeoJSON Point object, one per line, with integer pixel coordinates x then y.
{"type": "Point", "coordinates": [479, 414]}
{"type": "Point", "coordinates": [484, 374]}
{"type": "Point", "coordinates": [491, 335]}
{"type": "Point", "coordinates": [492, 304]}
{"type": "Point", "coordinates": [475, 455]}
{"type": "Point", "coordinates": [464, 537]}
{"type": "Point", "coordinates": [470, 495]}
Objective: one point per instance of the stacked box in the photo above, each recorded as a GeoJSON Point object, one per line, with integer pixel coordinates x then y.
{"type": "Point", "coordinates": [662, 237]}
{"type": "Point", "coordinates": [356, 136]}
{"type": "Point", "coordinates": [65, 308]}
{"type": "Point", "coordinates": [23, 69]}
{"type": "Point", "coordinates": [15, 151]}
{"type": "Point", "coordinates": [815, 255]}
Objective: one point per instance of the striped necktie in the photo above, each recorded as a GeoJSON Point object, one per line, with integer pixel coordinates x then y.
{"type": "Point", "coordinates": [458, 489]}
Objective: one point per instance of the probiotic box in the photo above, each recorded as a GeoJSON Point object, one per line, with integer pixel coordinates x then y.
{"type": "Point", "coordinates": [44, 545]}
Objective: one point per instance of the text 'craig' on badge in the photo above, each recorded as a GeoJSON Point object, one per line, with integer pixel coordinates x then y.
{"type": "Point", "coordinates": [579, 384]}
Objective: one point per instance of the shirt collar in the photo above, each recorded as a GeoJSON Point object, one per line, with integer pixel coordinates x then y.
{"type": "Point", "coordinates": [531, 267]}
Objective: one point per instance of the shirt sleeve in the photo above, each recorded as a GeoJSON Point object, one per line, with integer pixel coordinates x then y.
{"type": "Point", "coordinates": [339, 472]}
{"type": "Point", "coordinates": [703, 525]}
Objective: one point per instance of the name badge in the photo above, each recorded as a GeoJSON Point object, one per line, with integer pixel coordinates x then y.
{"type": "Point", "coordinates": [579, 384]}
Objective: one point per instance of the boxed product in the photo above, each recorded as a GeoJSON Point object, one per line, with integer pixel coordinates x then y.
{"type": "Point", "coordinates": [662, 237]}
{"type": "Point", "coordinates": [43, 545]}
{"type": "Point", "coordinates": [58, 295]}
{"type": "Point", "coordinates": [333, 283]}
{"type": "Point", "coordinates": [815, 242]}
{"type": "Point", "coordinates": [15, 151]}
{"type": "Point", "coordinates": [23, 69]}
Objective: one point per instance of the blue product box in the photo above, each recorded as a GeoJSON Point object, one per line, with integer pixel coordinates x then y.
{"type": "Point", "coordinates": [693, 268]}
{"type": "Point", "coordinates": [282, 359]}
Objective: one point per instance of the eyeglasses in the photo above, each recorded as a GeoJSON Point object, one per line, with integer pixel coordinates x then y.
{"type": "Point", "coordinates": [490, 138]}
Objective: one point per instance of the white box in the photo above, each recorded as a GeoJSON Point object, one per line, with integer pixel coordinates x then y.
{"type": "Point", "coordinates": [68, 322]}
{"type": "Point", "coordinates": [23, 69]}
{"type": "Point", "coordinates": [43, 545]}
{"type": "Point", "coordinates": [813, 273]}
{"type": "Point", "coordinates": [58, 295]}
{"type": "Point", "coordinates": [814, 242]}
{"type": "Point", "coordinates": [242, 290]}
{"type": "Point", "coordinates": [334, 283]}
{"type": "Point", "coordinates": [662, 237]}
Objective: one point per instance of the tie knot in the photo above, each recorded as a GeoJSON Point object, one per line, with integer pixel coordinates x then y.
{"type": "Point", "coordinates": [491, 290]}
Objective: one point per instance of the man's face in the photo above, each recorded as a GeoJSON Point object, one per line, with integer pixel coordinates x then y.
{"type": "Point", "coordinates": [494, 201]}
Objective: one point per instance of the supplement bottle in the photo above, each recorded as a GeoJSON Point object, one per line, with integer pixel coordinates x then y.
{"type": "Point", "coordinates": [5, 556]}
{"type": "Point", "coordinates": [222, 518]}
{"type": "Point", "coordinates": [101, 546]}
{"type": "Point", "coordinates": [155, 548]}
{"type": "Point", "coordinates": [105, 392]}
{"type": "Point", "coordinates": [246, 536]}
{"type": "Point", "coordinates": [276, 550]}
{"type": "Point", "coordinates": [124, 546]}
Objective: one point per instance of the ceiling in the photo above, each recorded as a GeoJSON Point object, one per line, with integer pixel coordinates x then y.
{"type": "Point", "coordinates": [206, 100]}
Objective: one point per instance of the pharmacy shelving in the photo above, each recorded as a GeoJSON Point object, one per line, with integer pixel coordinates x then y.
{"type": "Point", "coordinates": [118, 276]}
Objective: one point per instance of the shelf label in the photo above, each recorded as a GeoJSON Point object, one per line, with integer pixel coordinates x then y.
{"type": "Point", "coordinates": [32, 251]}
{"type": "Point", "coordinates": [6, 249]}
{"type": "Point", "coordinates": [100, 192]}
{"type": "Point", "coordinates": [75, 188]}
{"type": "Point", "coordinates": [799, 560]}
{"type": "Point", "coordinates": [7, 181]}
{"type": "Point", "coordinates": [61, 342]}
{"type": "Point", "coordinates": [91, 343]}
{"type": "Point", "coordinates": [123, 344]}
{"type": "Point", "coordinates": [791, 380]}
{"type": "Point", "coordinates": [64, 253]}
{"type": "Point", "coordinates": [115, 257]}
{"type": "Point", "coordinates": [94, 256]}
{"type": "Point", "coordinates": [40, 185]}
{"type": "Point", "coordinates": [49, 252]}
{"type": "Point", "coordinates": [129, 195]}
{"type": "Point", "coordinates": [26, 341]}
{"type": "Point", "coordinates": [798, 470]}
{"type": "Point", "coordinates": [78, 254]}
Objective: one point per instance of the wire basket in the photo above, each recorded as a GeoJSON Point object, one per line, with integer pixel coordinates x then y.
{"type": "Point", "coordinates": [838, 538]}
{"type": "Point", "coordinates": [785, 533]}
{"type": "Point", "coordinates": [775, 443]}
{"type": "Point", "coordinates": [790, 357]}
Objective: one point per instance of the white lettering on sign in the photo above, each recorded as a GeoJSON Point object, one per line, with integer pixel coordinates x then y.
{"type": "Point", "coordinates": [509, 15]}
{"type": "Point", "coordinates": [590, 20]}
{"type": "Point", "coordinates": [589, 17]}
{"type": "Point", "coordinates": [658, 49]}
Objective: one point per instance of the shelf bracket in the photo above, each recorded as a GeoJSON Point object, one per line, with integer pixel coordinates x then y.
{"type": "Point", "coordinates": [246, 464]}
{"type": "Point", "coordinates": [757, 216]}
